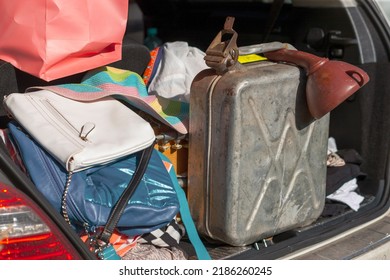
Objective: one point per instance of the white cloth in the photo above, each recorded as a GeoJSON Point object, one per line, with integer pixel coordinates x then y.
{"type": "Point", "coordinates": [346, 194]}
{"type": "Point", "coordinates": [332, 146]}
{"type": "Point", "coordinates": [178, 67]}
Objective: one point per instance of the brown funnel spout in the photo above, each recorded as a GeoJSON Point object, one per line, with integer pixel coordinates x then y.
{"type": "Point", "coordinates": [329, 82]}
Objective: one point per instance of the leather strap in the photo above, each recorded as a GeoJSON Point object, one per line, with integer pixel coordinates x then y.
{"type": "Point", "coordinates": [117, 211]}
{"type": "Point", "coordinates": [273, 15]}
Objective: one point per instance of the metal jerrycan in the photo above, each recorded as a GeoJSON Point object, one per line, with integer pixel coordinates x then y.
{"type": "Point", "coordinates": [258, 137]}
{"type": "Point", "coordinates": [257, 158]}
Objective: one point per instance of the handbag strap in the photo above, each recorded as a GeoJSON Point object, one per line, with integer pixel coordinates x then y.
{"type": "Point", "coordinates": [119, 207]}
{"type": "Point", "coordinates": [64, 208]}
{"type": "Point", "coordinates": [104, 82]}
{"type": "Point", "coordinates": [276, 8]}
{"type": "Point", "coordinates": [106, 234]}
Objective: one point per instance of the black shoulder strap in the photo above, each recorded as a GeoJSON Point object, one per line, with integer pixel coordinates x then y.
{"type": "Point", "coordinates": [273, 16]}
{"type": "Point", "coordinates": [120, 206]}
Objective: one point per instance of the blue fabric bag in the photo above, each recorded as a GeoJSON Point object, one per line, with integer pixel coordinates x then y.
{"type": "Point", "coordinates": [94, 191]}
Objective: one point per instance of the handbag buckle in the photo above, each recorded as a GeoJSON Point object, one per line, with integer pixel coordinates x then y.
{"type": "Point", "coordinates": [102, 250]}
{"type": "Point", "coordinates": [86, 129]}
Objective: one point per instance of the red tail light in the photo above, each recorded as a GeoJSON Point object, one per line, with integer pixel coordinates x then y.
{"type": "Point", "coordinates": [26, 232]}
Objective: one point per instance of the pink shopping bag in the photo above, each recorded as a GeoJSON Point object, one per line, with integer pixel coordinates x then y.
{"type": "Point", "coordinates": [51, 39]}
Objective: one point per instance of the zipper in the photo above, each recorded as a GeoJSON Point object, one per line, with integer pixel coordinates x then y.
{"type": "Point", "coordinates": [80, 138]}
{"type": "Point", "coordinates": [59, 121]}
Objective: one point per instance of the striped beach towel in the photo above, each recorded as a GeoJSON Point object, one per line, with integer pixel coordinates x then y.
{"type": "Point", "coordinates": [129, 87]}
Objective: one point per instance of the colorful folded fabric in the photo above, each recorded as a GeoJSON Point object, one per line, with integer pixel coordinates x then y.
{"type": "Point", "coordinates": [151, 68]}
{"type": "Point", "coordinates": [129, 87]}
{"type": "Point", "coordinates": [121, 242]}
{"type": "Point", "coordinates": [166, 236]}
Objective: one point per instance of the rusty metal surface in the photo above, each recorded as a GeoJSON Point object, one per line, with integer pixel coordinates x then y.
{"type": "Point", "coordinates": [257, 159]}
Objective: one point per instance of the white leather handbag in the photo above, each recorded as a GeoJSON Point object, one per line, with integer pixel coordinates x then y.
{"type": "Point", "coordinates": [80, 134]}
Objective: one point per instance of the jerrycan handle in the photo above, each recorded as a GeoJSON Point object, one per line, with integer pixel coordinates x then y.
{"type": "Point", "coordinates": [222, 54]}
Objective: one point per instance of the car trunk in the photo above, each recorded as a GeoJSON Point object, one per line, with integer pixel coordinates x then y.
{"type": "Point", "coordinates": [350, 33]}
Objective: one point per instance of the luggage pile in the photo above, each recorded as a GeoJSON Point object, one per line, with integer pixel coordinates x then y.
{"type": "Point", "coordinates": [110, 153]}
{"type": "Point", "coordinates": [94, 150]}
